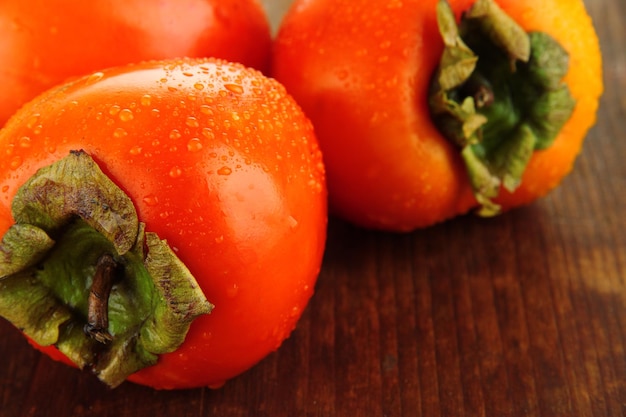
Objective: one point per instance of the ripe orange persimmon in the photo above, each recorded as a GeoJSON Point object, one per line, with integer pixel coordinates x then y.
{"type": "Point", "coordinates": [134, 199]}
{"type": "Point", "coordinates": [47, 42]}
{"type": "Point", "coordinates": [367, 73]}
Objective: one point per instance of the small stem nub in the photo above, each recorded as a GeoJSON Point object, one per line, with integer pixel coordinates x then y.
{"type": "Point", "coordinates": [480, 90]}
{"type": "Point", "coordinates": [98, 303]}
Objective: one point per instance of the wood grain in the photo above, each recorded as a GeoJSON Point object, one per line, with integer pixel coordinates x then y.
{"type": "Point", "coordinates": [521, 315]}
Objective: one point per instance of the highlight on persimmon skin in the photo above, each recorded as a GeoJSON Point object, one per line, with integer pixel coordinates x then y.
{"type": "Point", "coordinates": [47, 42]}
{"type": "Point", "coordinates": [218, 162]}
{"type": "Point", "coordinates": [362, 71]}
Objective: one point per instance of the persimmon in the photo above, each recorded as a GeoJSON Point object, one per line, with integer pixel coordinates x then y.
{"type": "Point", "coordinates": [404, 146]}
{"type": "Point", "coordinates": [47, 42]}
{"type": "Point", "coordinates": [135, 199]}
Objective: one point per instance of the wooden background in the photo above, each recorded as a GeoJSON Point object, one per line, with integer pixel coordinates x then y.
{"type": "Point", "coordinates": [522, 315]}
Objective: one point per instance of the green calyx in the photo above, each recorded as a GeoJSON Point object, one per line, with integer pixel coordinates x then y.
{"type": "Point", "coordinates": [498, 95]}
{"type": "Point", "coordinates": [78, 271]}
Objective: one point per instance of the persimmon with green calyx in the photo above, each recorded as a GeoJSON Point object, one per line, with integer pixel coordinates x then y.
{"type": "Point", "coordinates": [426, 110]}
{"type": "Point", "coordinates": [46, 42]}
{"type": "Point", "coordinates": [76, 248]}
{"type": "Point", "coordinates": [162, 222]}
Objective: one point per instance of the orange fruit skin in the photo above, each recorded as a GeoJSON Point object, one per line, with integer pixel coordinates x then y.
{"type": "Point", "coordinates": [48, 42]}
{"type": "Point", "coordinates": [361, 70]}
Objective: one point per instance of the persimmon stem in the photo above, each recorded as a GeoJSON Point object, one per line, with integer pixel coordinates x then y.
{"type": "Point", "coordinates": [98, 302]}
{"type": "Point", "coordinates": [480, 90]}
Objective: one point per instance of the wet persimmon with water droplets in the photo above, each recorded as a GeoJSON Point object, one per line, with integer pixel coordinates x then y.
{"type": "Point", "coordinates": [45, 42]}
{"type": "Point", "coordinates": [214, 159]}
{"type": "Point", "coordinates": [423, 115]}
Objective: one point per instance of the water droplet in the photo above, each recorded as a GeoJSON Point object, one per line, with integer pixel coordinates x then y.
{"type": "Point", "coordinates": [175, 134]}
{"type": "Point", "coordinates": [395, 4]}
{"type": "Point", "coordinates": [135, 150]}
{"type": "Point", "coordinates": [175, 172]}
{"type": "Point", "coordinates": [5, 188]}
{"type": "Point", "coordinates": [234, 88]}
{"type": "Point", "coordinates": [32, 121]}
{"type": "Point", "coordinates": [391, 82]}
{"type": "Point", "coordinates": [194, 145]}
{"type": "Point", "coordinates": [292, 222]}
{"type": "Point", "coordinates": [49, 146]}
{"type": "Point", "coordinates": [16, 162]}
{"type": "Point", "coordinates": [95, 77]}
{"type": "Point", "coordinates": [198, 86]}
{"type": "Point", "coordinates": [119, 133]}
{"type": "Point", "coordinates": [315, 185]}
{"type": "Point", "coordinates": [205, 109]}
{"type": "Point", "coordinates": [188, 74]}
{"type": "Point", "coordinates": [156, 112]}
{"type": "Point", "coordinates": [224, 171]}
{"type": "Point", "coordinates": [24, 142]}
{"type": "Point", "coordinates": [126, 115]}
{"type": "Point", "coordinates": [192, 122]}
{"type": "Point", "coordinates": [151, 200]}
{"type": "Point", "coordinates": [208, 133]}
{"type": "Point", "coordinates": [146, 100]}
{"type": "Point", "coordinates": [234, 289]}
{"type": "Point", "coordinates": [114, 109]}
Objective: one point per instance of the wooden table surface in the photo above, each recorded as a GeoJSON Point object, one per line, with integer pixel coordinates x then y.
{"type": "Point", "coordinates": [521, 315]}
